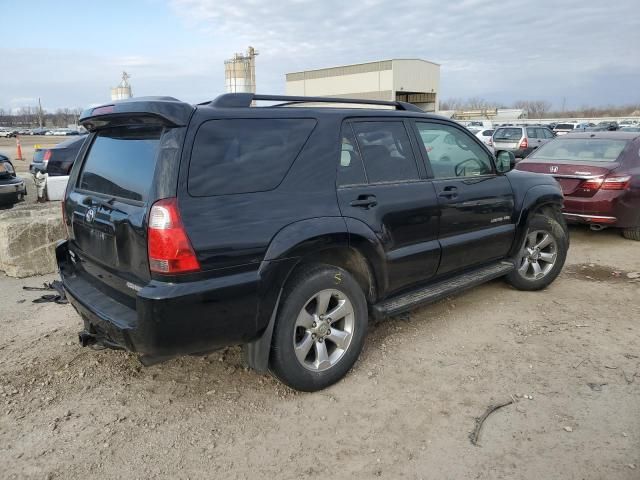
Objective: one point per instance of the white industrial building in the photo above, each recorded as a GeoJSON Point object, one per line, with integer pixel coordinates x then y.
{"type": "Point", "coordinates": [409, 80]}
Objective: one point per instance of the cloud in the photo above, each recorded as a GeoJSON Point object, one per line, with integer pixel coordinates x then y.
{"type": "Point", "coordinates": [583, 50]}
{"type": "Point", "coordinates": [525, 49]}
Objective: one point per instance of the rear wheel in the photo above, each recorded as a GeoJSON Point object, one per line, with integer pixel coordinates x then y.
{"type": "Point", "coordinates": [542, 255]}
{"type": "Point", "coordinates": [631, 233]}
{"type": "Point", "coordinates": [320, 329]}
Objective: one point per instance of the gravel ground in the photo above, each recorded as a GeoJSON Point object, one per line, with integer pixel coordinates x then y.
{"type": "Point", "coordinates": [568, 356]}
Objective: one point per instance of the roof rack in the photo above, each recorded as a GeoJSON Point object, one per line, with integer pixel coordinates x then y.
{"type": "Point", "coordinates": [242, 100]}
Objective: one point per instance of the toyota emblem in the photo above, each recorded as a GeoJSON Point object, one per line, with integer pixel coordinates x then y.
{"type": "Point", "coordinates": [553, 169]}
{"type": "Point", "coordinates": [90, 216]}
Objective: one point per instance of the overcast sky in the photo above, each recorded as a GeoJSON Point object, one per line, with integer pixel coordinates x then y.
{"type": "Point", "coordinates": [70, 53]}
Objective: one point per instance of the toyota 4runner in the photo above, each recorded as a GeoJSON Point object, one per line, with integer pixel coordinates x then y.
{"type": "Point", "coordinates": [286, 227]}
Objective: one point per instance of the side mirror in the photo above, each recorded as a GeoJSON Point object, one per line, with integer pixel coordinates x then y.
{"type": "Point", "coordinates": [505, 161]}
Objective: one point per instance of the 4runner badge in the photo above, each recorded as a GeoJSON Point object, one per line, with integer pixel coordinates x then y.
{"type": "Point", "coordinates": [553, 169]}
{"type": "Point", "coordinates": [90, 216]}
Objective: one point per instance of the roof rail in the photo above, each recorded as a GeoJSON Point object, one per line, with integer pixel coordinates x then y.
{"type": "Point", "coordinates": [242, 100]}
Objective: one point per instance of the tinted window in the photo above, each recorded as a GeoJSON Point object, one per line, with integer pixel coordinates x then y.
{"type": "Point", "coordinates": [585, 149]}
{"type": "Point", "coordinates": [386, 150]}
{"type": "Point", "coordinates": [508, 134]}
{"type": "Point", "coordinates": [121, 162]}
{"type": "Point", "coordinates": [487, 133]}
{"type": "Point", "coordinates": [547, 133]}
{"type": "Point", "coordinates": [244, 155]}
{"type": "Point", "coordinates": [453, 153]}
{"type": "Point", "coordinates": [564, 126]}
{"type": "Point", "coordinates": [350, 168]}
{"type": "Point", "coordinates": [532, 133]}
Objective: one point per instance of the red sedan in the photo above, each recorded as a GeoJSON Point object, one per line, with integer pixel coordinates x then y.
{"type": "Point", "coordinates": [600, 176]}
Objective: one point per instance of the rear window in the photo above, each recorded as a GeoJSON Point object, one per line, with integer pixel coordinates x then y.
{"type": "Point", "coordinates": [38, 155]}
{"type": "Point", "coordinates": [581, 149]}
{"type": "Point", "coordinates": [121, 162]}
{"type": "Point", "coordinates": [508, 134]}
{"type": "Point", "coordinates": [245, 155]}
{"type": "Point", "coordinates": [565, 126]}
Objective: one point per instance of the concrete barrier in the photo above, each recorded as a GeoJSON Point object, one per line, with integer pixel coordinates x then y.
{"type": "Point", "coordinates": [28, 236]}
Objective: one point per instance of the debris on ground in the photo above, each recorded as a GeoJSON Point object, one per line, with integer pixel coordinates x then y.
{"type": "Point", "coordinates": [480, 421]}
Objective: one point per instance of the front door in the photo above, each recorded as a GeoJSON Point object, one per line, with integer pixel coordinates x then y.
{"type": "Point", "coordinates": [477, 221]}
{"type": "Point", "coordinates": [381, 185]}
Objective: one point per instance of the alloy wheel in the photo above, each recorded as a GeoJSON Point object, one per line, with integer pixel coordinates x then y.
{"type": "Point", "coordinates": [323, 330]}
{"type": "Point", "coordinates": [538, 255]}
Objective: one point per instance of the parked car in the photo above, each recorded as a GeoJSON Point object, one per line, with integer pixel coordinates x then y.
{"type": "Point", "coordinates": [57, 160]}
{"type": "Point", "coordinates": [64, 132]}
{"type": "Point", "coordinates": [600, 177]}
{"type": "Point", "coordinates": [7, 132]}
{"type": "Point", "coordinates": [39, 131]}
{"type": "Point", "coordinates": [485, 137]}
{"type": "Point", "coordinates": [564, 128]}
{"type": "Point", "coordinates": [521, 141]}
{"type": "Point", "coordinates": [630, 129]}
{"type": "Point", "coordinates": [12, 187]}
{"type": "Point", "coordinates": [608, 125]}
{"type": "Point", "coordinates": [627, 123]}
{"type": "Point", "coordinates": [193, 228]}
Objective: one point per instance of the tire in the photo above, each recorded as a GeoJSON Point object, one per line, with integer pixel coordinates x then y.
{"type": "Point", "coordinates": [546, 244]}
{"type": "Point", "coordinates": [299, 328]}
{"type": "Point", "coordinates": [632, 233]}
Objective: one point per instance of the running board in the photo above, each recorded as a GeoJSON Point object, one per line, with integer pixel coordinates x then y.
{"type": "Point", "coordinates": [437, 291]}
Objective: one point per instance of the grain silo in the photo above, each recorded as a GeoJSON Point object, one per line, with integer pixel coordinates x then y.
{"type": "Point", "coordinates": [240, 72]}
{"type": "Point", "coordinates": [123, 90]}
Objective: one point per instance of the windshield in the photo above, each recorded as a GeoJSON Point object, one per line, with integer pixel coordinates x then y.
{"type": "Point", "coordinates": [512, 134]}
{"type": "Point", "coordinates": [580, 149]}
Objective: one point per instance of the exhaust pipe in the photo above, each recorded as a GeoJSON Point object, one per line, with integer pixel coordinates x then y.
{"type": "Point", "coordinates": [596, 227]}
{"type": "Point", "coordinates": [86, 338]}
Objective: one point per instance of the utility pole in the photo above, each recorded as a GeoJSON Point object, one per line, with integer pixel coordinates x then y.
{"type": "Point", "coordinates": [40, 113]}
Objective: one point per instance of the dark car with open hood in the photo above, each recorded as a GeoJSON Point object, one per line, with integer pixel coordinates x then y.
{"type": "Point", "coordinates": [12, 187]}
{"type": "Point", "coordinates": [600, 177]}
{"type": "Point", "coordinates": [191, 228]}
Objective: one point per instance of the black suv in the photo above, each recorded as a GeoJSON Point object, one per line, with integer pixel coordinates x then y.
{"type": "Point", "coordinates": [285, 227]}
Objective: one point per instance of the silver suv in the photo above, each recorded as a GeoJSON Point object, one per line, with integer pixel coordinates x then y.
{"type": "Point", "coordinates": [521, 141]}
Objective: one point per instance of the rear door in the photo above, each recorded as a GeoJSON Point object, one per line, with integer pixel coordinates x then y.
{"type": "Point", "coordinates": [107, 206]}
{"type": "Point", "coordinates": [477, 224]}
{"type": "Point", "coordinates": [381, 184]}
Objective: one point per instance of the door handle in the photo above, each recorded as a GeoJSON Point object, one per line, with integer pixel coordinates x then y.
{"type": "Point", "coordinates": [449, 192]}
{"type": "Point", "coordinates": [365, 201]}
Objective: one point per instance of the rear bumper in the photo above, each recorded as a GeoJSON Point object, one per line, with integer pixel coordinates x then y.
{"type": "Point", "coordinates": [610, 208]}
{"type": "Point", "coordinates": [517, 152]}
{"type": "Point", "coordinates": [168, 318]}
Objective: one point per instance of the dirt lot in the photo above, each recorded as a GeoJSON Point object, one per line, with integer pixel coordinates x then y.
{"type": "Point", "coordinates": [405, 411]}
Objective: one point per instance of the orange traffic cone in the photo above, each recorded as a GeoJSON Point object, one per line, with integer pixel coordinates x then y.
{"type": "Point", "coordinates": [18, 150]}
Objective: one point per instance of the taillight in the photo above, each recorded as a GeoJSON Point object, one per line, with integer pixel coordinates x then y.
{"type": "Point", "coordinates": [606, 183]}
{"type": "Point", "coordinates": [490, 142]}
{"type": "Point", "coordinates": [592, 184]}
{"type": "Point", "coordinates": [47, 156]}
{"type": "Point", "coordinates": [524, 143]}
{"type": "Point", "coordinates": [170, 250]}
{"type": "Point", "coordinates": [616, 183]}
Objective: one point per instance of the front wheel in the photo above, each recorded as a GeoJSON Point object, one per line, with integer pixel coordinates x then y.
{"type": "Point", "coordinates": [542, 255]}
{"type": "Point", "coordinates": [320, 329]}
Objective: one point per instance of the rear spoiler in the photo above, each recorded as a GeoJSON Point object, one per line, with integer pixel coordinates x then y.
{"type": "Point", "coordinates": [138, 111]}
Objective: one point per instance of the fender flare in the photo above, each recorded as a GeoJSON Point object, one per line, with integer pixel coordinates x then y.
{"type": "Point", "coordinates": [286, 249]}
{"type": "Point", "coordinates": [536, 197]}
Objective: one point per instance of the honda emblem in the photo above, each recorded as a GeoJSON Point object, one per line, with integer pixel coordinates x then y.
{"type": "Point", "coordinates": [553, 169]}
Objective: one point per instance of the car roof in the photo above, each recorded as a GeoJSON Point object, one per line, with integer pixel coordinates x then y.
{"type": "Point", "coordinates": [604, 134]}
